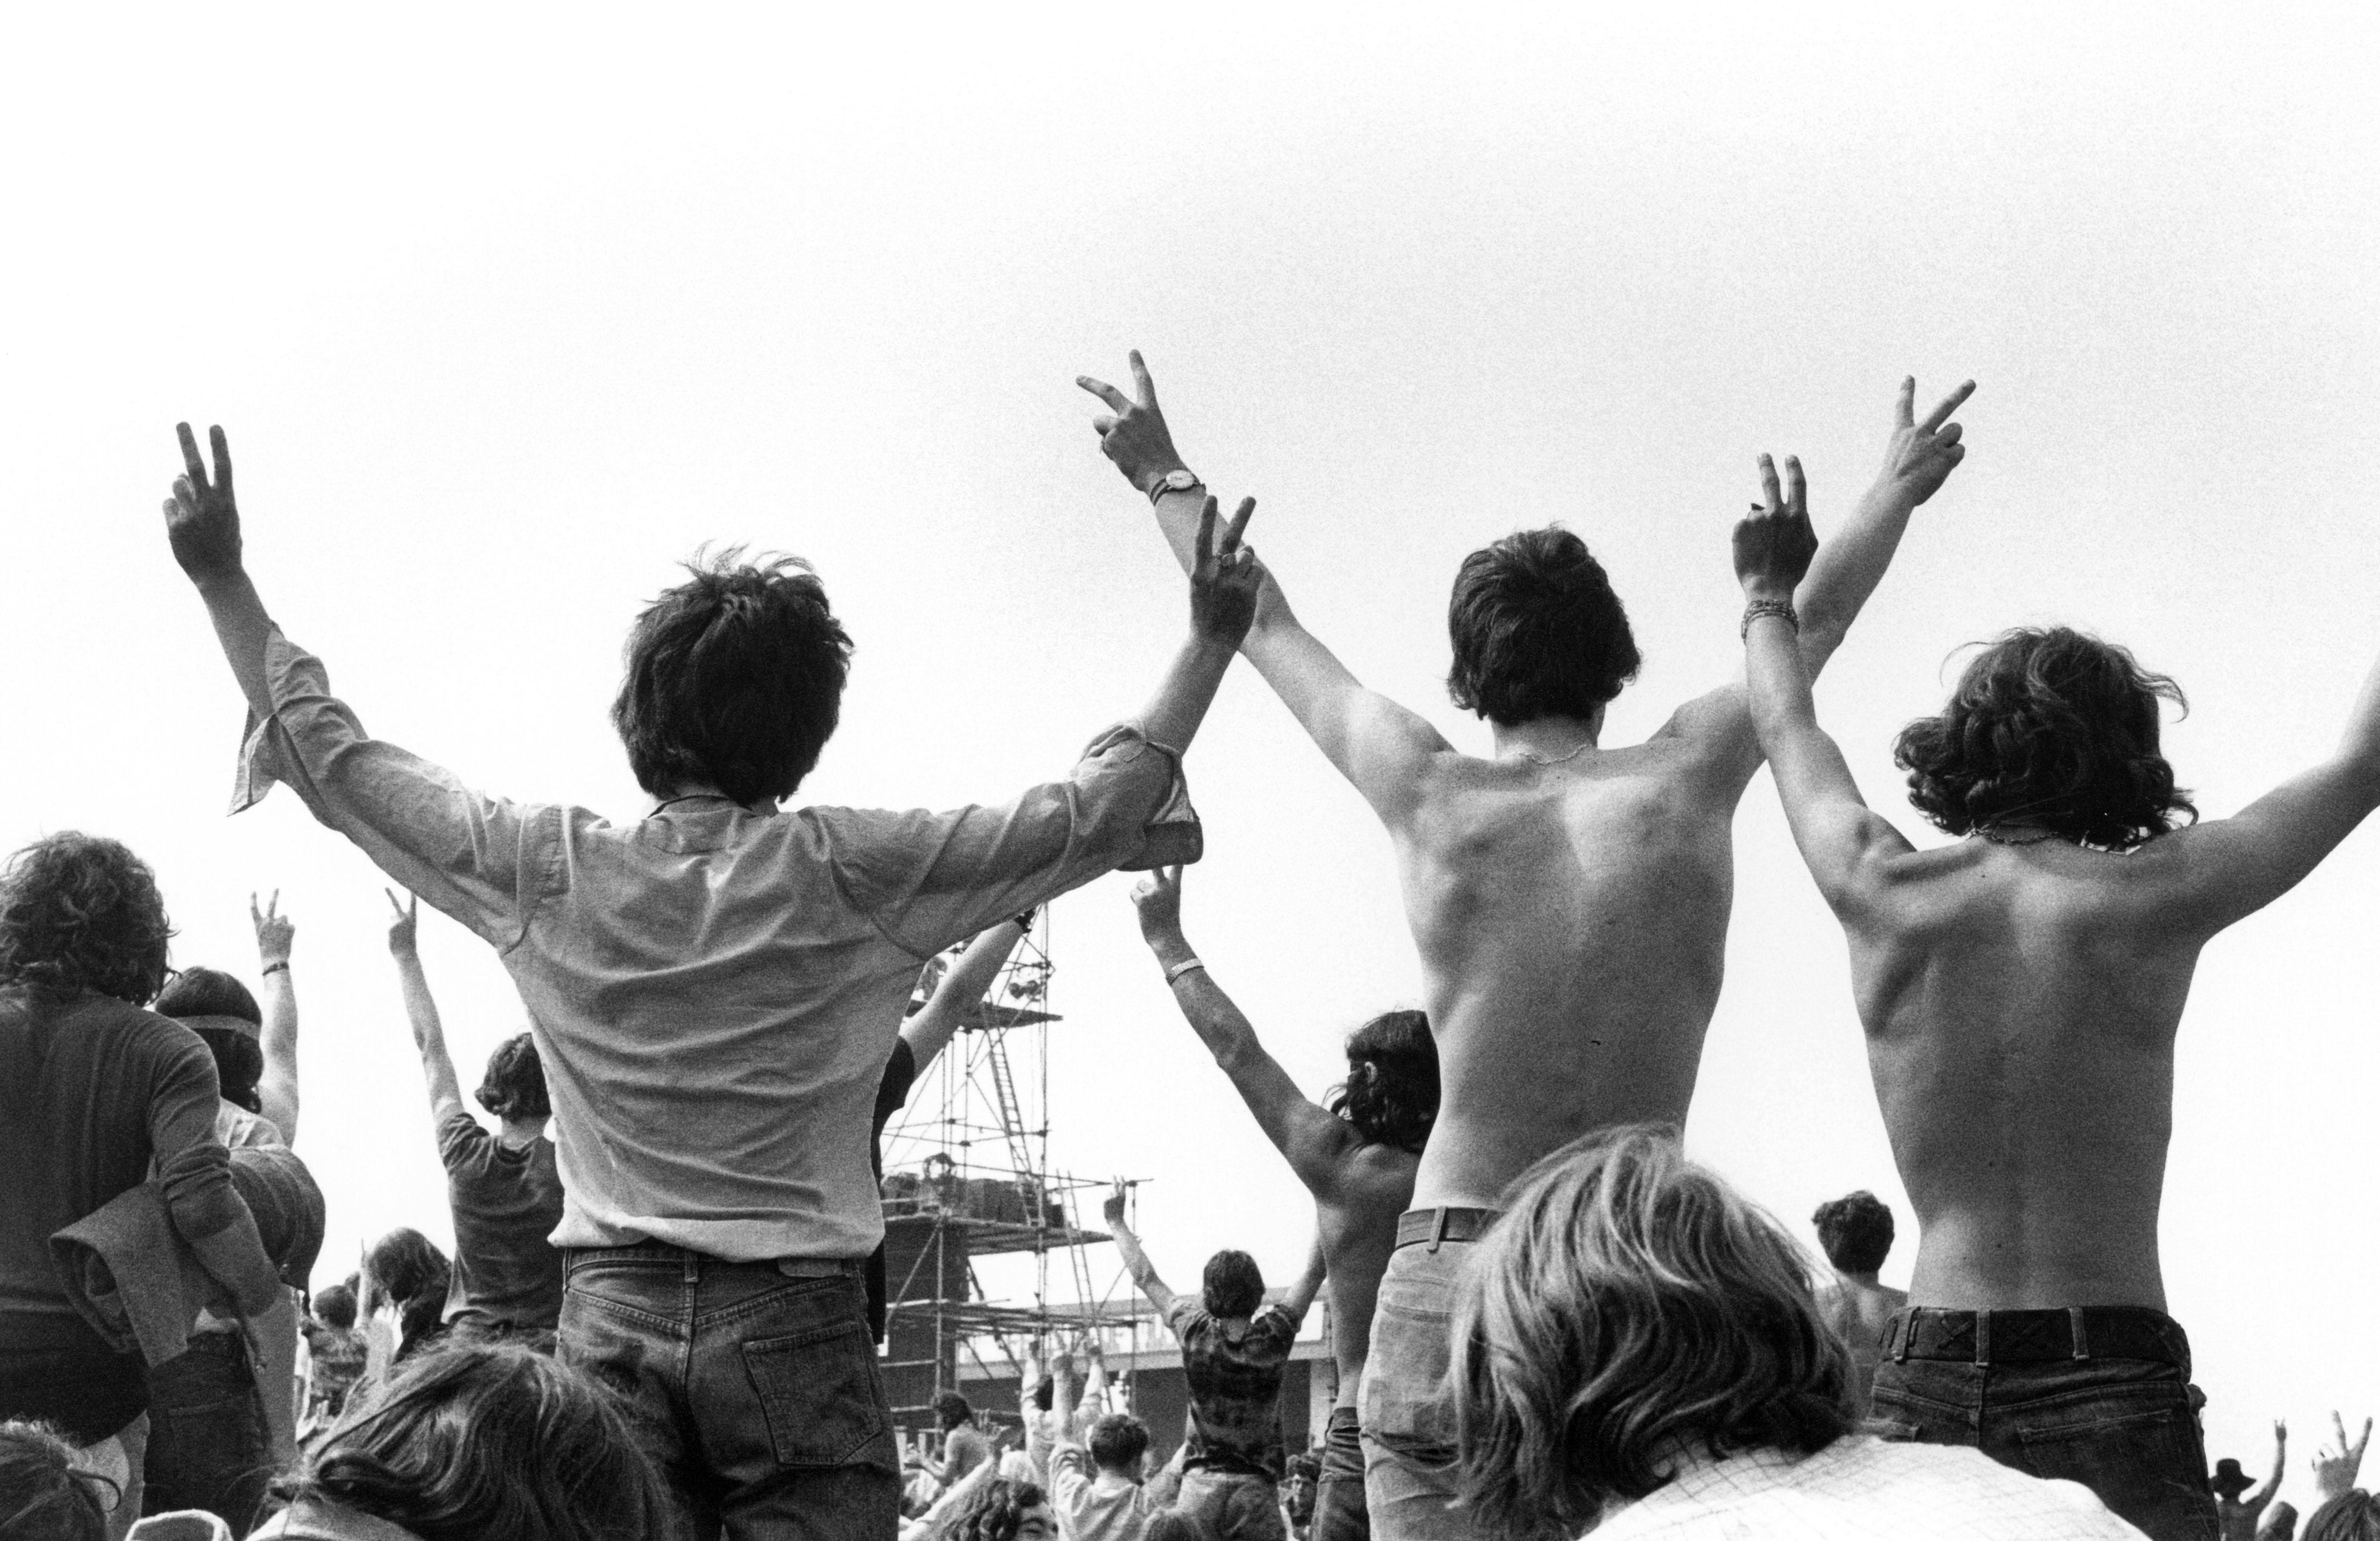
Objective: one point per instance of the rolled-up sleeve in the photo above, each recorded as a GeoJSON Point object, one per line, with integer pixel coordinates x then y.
{"type": "Point", "coordinates": [475, 858]}
{"type": "Point", "coordinates": [194, 1173]}
{"type": "Point", "coordinates": [932, 880]}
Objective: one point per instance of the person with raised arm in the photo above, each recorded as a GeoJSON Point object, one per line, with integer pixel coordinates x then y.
{"type": "Point", "coordinates": [1569, 899]}
{"type": "Point", "coordinates": [1355, 1151]}
{"type": "Point", "coordinates": [2021, 990]}
{"type": "Point", "coordinates": [715, 986]}
{"type": "Point", "coordinates": [2239, 1512]}
{"type": "Point", "coordinates": [503, 1190]}
{"type": "Point", "coordinates": [1235, 1349]}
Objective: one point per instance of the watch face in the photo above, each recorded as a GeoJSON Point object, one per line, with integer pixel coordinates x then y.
{"type": "Point", "coordinates": [1181, 480]}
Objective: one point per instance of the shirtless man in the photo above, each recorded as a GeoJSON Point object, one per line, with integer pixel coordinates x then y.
{"type": "Point", "coordinates": [2021, 990]}
{"type": "Point", "coordinates": [1356, 1152]}
{"type": "Point", "coordinates": [1569, 901]}
{"type": "Point", "coordinates": [1855, 1231]}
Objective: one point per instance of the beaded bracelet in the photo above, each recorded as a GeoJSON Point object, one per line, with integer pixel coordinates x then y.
{"type": "Point", "coordinates": [1781, 609]}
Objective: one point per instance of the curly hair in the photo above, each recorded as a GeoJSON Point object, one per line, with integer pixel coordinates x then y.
{"type": "Point", "coordinates": [1855, 1232]}
{"type": "Point", "coordinates": [78, 912]}
{"type": "Point", "coordinates": [41, 1492]}
{"type": "Point", "coordinates": [515, 1084]}
{"type": "Point", "coordinates": [1390, 1093]}
{"type": "Point", "coordinates": [478, 1439]}
{"type": "Point", "coordinates": [1626, 1302]}
{"type": "Point", "coordinates": [2053, 728]}
{"type": "Point", "coordinates": [1537, 631]}
{"type": "Point", "coordinates": [994, 1512]}
{"type": "Point", "coordinates": [735, 679]}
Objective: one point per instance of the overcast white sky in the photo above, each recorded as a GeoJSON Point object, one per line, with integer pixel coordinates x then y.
{"type": "Point", "coordinates": [505, 316]}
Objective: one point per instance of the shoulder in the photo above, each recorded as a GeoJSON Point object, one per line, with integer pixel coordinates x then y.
{"type": "Point", "coordinates": [1957, 1480]}
{"type": "Point", "coordinates": [460, 1137]}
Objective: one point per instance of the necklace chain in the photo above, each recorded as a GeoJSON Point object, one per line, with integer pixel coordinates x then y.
{"type": "Point", "coordinates": [1991, 832]}
{"type": "Point", "coordinates": [1540, 759]}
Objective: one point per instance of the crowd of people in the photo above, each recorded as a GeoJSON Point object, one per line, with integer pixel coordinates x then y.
{"type": "Point", "coordinates": [663, 1311]}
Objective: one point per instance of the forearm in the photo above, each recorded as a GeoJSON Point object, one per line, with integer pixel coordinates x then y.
{"type": "Point", "coordinates": [429, 1033]}
{"type": "Point", "coordinates": [1177, 521]}
{"type": "Point", "coordinates": [279, 1086]}
{"type": "Point", "coordinates": [1173, 715]}
{"type": "Point", "coordinates": [1213, 1014]}
{"type": "Point", "coordinates": [1777, 676]}
{"type": "Point", "coordinates": [1848, 568]}
{"type": "Point", "coordinates": [272, 1344]}
{"type": "Point", "coordinates": [243, 628]}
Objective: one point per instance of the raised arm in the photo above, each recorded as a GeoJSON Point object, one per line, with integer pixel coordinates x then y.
{"type": "Point", "coordinates": [1843, 843]}
{"type": "Point", "coordinates": [962, 984]}
{"type": "Point", "coordinates": [1376, 743]}
{"type": "Point", "coordinates": [429, 1036]}
{"type": "Point", "coordinates": [277, 1088]}
{"type": "Point", "coordinates": [1300, 1299]}
{"type": "Point", "coordinates": [1312, 1139]}
{"type": "Point", "coordinates": [1135, 1261]}
{"type": "Point", "coordinates": [202, 527]}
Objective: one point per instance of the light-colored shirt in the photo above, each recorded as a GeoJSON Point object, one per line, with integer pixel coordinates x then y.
{"type": "Point", "coordinates": [714, 991]}
{"type": "Point", "coordinates": [1093, 1505]}
{"type": "Point", "coordinates": [1861, 1488]}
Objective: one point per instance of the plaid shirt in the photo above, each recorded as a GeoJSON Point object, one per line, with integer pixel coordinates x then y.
{"type": "Point", "coordinates": [1234, 1388]}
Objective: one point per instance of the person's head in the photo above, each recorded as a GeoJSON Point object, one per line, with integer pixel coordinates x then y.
{"type": "Point", "coordinates": [1537, 631]}
{"type": "Point", "coordinates": [479, 1440]}
{"type": "Point", "coordinates": [515, 1084]}
{"type": "Point", "coordinates": [1118, 1441]}
{"type": "Point", "coordinates": [336, 1307]}
{"type": "Point", "coordinates": [228, 1021]}
{"type": "Point", "coordinates": [1232, 1285]}
{"type": "Point", "coordinates": [1390, 1093]}
{"type": "Point", "coordinates": [407, 1267]}
{"type": "Point", "coordinates": [1297, 1485]}
{"type": "Point", "coordinates": [2051, 728]}
{"type": "Point", "coordinates": [2279, 1523]}
{"type": "Point", "coordinates": [1855, 1232]}
{"type": "Point", "coordinates": [950, 1410]}
{"type": "Point", "coordinates": [2355, 1515]}
{"type": "Point", "coordinates": [1628, 1303]}
{"type": "Point", "coordinates": [1000, 1510]}
{"type": "Point", "coordinates": [734, 680]}
{"type": "Point", "coordinates": [42, 1496]}
{"type": "Point", "coordinates": [81, 913]}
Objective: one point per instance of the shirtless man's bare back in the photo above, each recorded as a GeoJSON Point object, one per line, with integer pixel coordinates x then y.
{"type": "Point", "coordinates": [2021, 992]}
{"type": "Point", "coordinates": [1855, 1232]}
{"type": "Point", "coordinates": [1569, 901]}
{"type": "Point", "coordinates": [1356, 1155]}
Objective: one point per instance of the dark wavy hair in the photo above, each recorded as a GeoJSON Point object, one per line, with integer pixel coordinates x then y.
{"type": "Point", "coordinates": [1628, 1301]}
{"type": "Point", "coordinates": [80, 912]}
{"type": "Point", "coordinates": [994, 1512]}
{"type": "Point", "coordinates": [40, 1493]}
{"type": "Point", "coordinates": [515, 1084]}
{"type": "Point", "coordinates": [2355, 1515]}
{"type": "Point", "coordinates": [1855, 1232]}
{"type": "Point", "coordinates": [1118, 1441]}
{"type": "Point", "coordinates": [407, 1267]}
{"type": "Point", "coordinates": [2054, 728]}
{"type": "Point", "coordinates": [735, 679]}
{"type": "Point", "coordinates": [1537, 631]}
{"type": "Point", "coordinates": [335, 1306]}
{"type": "Point", "coordinates": [240, 1059]}
{"type": "Point", "coordinates": [1390, 1093]}
{"type": "Point", "coordinates": [952, 1409]}
{"type": "Point", "coordinates": [481, 1439]}
{"type": "Point", "coordinates": [1234, 1285]}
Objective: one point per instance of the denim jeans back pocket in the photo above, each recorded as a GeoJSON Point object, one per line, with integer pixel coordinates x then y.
{"type": "Point", "coordinates": [2146, 1462]}
{"type": "Point", "coordinates": [818, 1390]}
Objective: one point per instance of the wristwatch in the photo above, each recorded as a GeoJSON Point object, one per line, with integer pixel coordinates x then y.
{"type": "Point", "coordinates": [1181, 478]}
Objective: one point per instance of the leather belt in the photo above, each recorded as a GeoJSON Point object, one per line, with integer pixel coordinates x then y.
{"type": "Point", "coordinates": [2037, 1337]}
{"type": "Point", "coordinates": [1415, 1227]}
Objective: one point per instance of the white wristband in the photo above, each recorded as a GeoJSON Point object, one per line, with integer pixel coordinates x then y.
{"type": "Point", "coordinates": [1174, 975]}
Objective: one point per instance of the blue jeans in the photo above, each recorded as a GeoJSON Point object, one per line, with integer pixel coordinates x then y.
{"type": "Point", "coordinates": [2125, 1428]}
{"type": "Point", "coordinates": [756, 1388]}
{"type": "Point", "coordinates": [1235, 1506]}
{"type": "Point", "coordinates": [1406, 1413]}
{"type": "Point", "coordinates": [207, 1448]}
{"type": "Point", "coordinates": [1338, 1512]}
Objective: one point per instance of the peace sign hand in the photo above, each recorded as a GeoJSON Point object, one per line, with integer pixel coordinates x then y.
{"type": "Point", "coordinates": [1135, 438]}
{"type": "Point", "coordinates": [401, 928]}
{"type": "Point", "coordinates": [1774, 543]}
{"type": "Point", "coordinates": [1921, 457]}
{"type": "Point", "coordinates": [201, 521]}
{"type": "Point", "coordinates": [274, 930]}
{"type": "Point", "coordinates": [2335, 1469]}
{"type": "Point", "coordinates": [1226, 579]}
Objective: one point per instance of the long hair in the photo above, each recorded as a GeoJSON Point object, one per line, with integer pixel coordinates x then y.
{"type": "Point", "coordinates": [994, 1512]}
{"type": "Point", "coordinates": [483, 1440]}
{"type": "Point", "coordinates": [2054, 728]}
{"type": "Point", "coordinates": [42, 1494]}
{"type": "Point", "coordinates": [2355, 1515]}
{"type": "Point", "coordinates": [1537, 630]}
{"type": "Point", "coordinates": [1390, 1093]}
{"type": "Point", "coordinates": [734, 678]}
{"type": "Point", "coordinates": [409, 1269]}
{"type": "Point", "coordinates": [81, 911]}
{"type": "Point", "coordinates": [1628, 1306]}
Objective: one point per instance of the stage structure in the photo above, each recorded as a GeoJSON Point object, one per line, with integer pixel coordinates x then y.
{"type": "Point", "coordinates": [967, 1176]}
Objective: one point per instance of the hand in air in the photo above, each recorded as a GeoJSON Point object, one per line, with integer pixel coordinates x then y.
{"type": "Point", "coordinates": [1922, 455]}
{"type": "Point", "coordinates": [2335, 1469]}
{"type": "Point", "coordinates": [201, 521]}
{"type": "Point", "coordinates": [1157, 897]}
{"type": "Point", "coordinates": [1112, 1210]}
{"type": "Point", "coordinates": [1135, 438]}
{"type": "Point", "coordinates": [401, 928]}
{"type": "Point", "coordinates": [1774, 543]}
{"type": "Point", "coordinates": [274, 930]}
{"type": "Point", "coordinates": [1224, 580]}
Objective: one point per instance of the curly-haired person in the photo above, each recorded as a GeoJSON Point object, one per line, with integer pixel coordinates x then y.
{"type": "Point", "coordinates": [1638, 1354]}
{"type": "Point", "coordinates": [97, 1097]}
{"type": "Point", "coordinates": [1855, 1231]}
{"type": "Point", "coordinates": [1357, 1152]}
{"type": "Point", "coordinates": [1569, 898]}
{"type": "Point", "coordinates": [2021, 990]}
